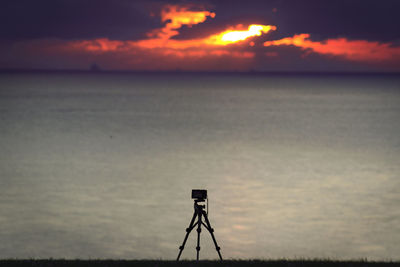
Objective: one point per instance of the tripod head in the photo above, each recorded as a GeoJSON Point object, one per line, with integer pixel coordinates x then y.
{"type": "Point", "coordinates": [199, 195]}
{"type": "Point", "coordinates": [197, 206]}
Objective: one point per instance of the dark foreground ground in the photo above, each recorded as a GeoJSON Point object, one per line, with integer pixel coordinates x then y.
{"type": "Point", "coordinates": [160, 263]}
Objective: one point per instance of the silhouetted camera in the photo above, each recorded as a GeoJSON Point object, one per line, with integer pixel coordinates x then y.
{"type": "Point", "coordinates": [199, 194]}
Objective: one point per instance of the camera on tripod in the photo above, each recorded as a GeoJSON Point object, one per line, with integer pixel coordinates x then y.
{"type": "Point", "coordinates": [199, 194]}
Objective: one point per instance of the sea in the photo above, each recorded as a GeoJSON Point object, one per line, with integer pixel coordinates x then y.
{"type": "Point", "coordinates": [296, 166]}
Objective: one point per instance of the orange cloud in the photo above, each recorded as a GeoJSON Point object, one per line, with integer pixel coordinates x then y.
{"type": "Point", "coordinates": [161, 39]}
{"type": "Point", "coordinates": [98, 45]}
{"type": "Point", "coordinates": [224, 38]}
{"type": "Point", "coordinates": [179, 16]}
{"type": "Point", "coordinates": [356, 50]}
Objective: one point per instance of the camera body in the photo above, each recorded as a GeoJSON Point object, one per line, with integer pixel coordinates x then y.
{"type": "Point", "coordinates": [199, 194]}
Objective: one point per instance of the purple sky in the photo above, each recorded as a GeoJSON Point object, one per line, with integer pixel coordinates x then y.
{"type": "Point", "coordinates": [310, 35]}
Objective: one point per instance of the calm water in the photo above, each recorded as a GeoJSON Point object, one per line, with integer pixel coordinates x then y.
{"type": "Point", "coordinates": [102, 166]}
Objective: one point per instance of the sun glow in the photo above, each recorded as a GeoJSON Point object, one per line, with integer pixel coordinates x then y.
{"type": "Point", "coordinates": [233, 36]}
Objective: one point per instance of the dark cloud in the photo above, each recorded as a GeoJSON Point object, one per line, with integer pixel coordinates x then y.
{"type": "Point", "coordinates": [354, 19]}
{"type": "Point", "coordinates": [128, 19]}
{"type": "Point", "coordinates": [75, 19]}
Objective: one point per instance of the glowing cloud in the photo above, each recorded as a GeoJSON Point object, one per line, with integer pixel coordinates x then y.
{"type": "Point", "coordinates": [356, 50]}
{"type": "Point", "coordinates": [232, 36]}
{"type": "Point", "coordinates": [180, 15]}
{"type": "Point", "coordinates": [98, 45]}
{"type": "Point", "coordinates": [160, 40]}
{"type": "Point", "coordinates": [177, 17]}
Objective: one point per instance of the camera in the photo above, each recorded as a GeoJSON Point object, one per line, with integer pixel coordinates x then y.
{"type": "Point", "coordinates": [199, 194]}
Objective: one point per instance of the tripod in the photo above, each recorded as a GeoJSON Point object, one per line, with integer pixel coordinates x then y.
{"type": "Point", "coordinates": [199, 213]}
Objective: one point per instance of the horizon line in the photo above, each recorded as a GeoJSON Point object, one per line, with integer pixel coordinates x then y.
{"type": "Point", "coordinates": [255, 72]}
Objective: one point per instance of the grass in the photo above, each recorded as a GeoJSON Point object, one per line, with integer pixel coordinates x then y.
{"type": "Point", "coordinates": [161, 263]}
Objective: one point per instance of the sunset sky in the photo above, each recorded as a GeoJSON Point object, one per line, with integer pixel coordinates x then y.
{"type": "Point", "coordinates": [270, 35]}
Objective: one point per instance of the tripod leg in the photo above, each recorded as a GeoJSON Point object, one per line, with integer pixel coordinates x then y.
{"type": "Point", "coordinates": [198, 235]}
{"type": "Point", "coordinates": [211, 230]}
{"type": "Point", "coordinates": [188, 230]}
